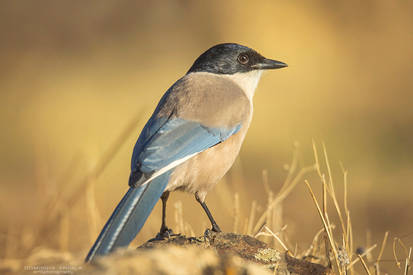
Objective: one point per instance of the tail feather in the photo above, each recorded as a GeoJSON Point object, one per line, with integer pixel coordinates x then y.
{"type": "Point", "coordinates": [129, 217]}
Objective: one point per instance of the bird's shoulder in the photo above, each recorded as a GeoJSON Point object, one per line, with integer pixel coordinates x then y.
{"type": "Point", "coordinates": [208, 98]}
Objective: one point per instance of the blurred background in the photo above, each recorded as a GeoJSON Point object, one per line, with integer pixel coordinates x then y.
{"type": "Point", "coordinates": [79, 79]}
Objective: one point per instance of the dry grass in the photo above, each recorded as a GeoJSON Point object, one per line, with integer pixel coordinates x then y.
{"type": "Point", "coordinates": [263, 222]}
{"type": "Point", "coordinates": [339, 243]}
{"type": "Point", "coordinates": [262, 225]}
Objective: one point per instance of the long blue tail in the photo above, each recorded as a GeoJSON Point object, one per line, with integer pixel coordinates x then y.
{"type": "Point", "coordinates": [129, 217]}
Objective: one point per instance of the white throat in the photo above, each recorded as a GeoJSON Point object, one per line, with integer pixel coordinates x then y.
{"type": "Point", "coordinates": [247, 81]}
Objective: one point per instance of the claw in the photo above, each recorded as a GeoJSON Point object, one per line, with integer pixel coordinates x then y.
{"type": "Point", "coordinates": [165, 234]}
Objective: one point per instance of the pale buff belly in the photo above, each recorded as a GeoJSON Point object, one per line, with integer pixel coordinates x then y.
{"type": "Point", "coordinates": [201, 172]}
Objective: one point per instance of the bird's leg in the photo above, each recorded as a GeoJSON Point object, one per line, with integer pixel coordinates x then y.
{"type": "Point", "coordinates": [164, 199]}
{"type": "Point", "coordinates": [164, 232]}
{"type": "Point", "coordinates": [215, 226]}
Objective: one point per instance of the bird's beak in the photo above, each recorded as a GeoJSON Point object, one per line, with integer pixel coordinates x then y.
{"type": "Point", "coordinates": [268, 64]}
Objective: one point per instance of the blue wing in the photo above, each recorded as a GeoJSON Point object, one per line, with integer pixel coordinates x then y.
{"type": "Point", "coordinates": [165, 140]}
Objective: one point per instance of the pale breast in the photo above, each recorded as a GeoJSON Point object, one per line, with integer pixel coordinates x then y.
{"type": "Point", "coordinates": [203, 171]}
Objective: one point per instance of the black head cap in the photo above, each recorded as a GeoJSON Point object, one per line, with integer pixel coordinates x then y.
{"type": "Point", "coordinates": [231, 58]}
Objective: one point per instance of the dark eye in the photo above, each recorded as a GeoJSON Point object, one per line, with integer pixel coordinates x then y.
{"type": "Point", "coordinates": [243, 59]}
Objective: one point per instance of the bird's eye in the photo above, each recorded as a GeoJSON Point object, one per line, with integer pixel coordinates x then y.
{"type": "Point", "coordinates": [243, 59]}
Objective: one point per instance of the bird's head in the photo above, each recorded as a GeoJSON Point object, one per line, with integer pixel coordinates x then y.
{"type": "Point", "coordinates": [231, 58]}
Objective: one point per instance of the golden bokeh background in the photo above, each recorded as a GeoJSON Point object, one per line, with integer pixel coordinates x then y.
{"type": "Point", "coordinates": [74, 74]}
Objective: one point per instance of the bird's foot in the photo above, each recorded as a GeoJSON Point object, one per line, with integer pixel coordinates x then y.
{"type": "Point", "coordinates": [213, 230]}
{"type": "Point", "coordinates": [165, 233]}
{"type": "Point", "coordinates": [216, 228]}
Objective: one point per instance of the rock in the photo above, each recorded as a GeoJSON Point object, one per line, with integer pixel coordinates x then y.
{"type": "Point", "coordinates": [173, 260]}
{"type": "Point", "coordinates": [228, 245]}
{"type": "Point", "coordinates": [211, 254]}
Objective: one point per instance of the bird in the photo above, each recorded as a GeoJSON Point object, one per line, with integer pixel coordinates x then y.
{"type": "Point", "coordinates": [191, 140]}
